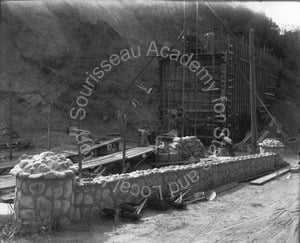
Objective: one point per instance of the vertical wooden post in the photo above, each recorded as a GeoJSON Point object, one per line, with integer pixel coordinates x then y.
{"type": "Point", "coordinates": [123, 122]}
{"type": "Point", "coordinates": [79, 151]}
{"type": "Point", "coordinates": [10, 121]}
{"type": "Point", "coordinates": [196, 78]}
{"type": "Point", "coordinates": [124, 142]}
{"type": "Point", "coordinates": [183, 71]}
{"type": "Point", "coordinates": [162, 88]}
{"type": "Point", "coordinates": [213, 54]}
{"type": "Point", "coordinates": [252, 92]}
{"type": "Point", "coordinates": [49, 127]}
{"type": "Point", "coordinates": [124, 149]}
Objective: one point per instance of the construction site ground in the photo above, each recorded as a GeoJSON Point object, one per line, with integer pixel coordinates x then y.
{"type": "Point", "coordinates": [247, 213]}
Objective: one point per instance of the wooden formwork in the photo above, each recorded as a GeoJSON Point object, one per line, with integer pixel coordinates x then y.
{"type": "Point", "coordinates": [181, 88]}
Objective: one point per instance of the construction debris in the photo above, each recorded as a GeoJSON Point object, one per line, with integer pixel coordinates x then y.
{"type": "Point", "coordinates": [189, 197]}
{"type": "Point", "coordinates": [174, 204]}
{"type": "Point", "coordinates": [126, 211]}
{"type": "Point", "coordinates": [158, 204]}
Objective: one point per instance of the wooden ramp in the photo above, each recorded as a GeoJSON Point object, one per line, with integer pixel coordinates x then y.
{"type": "Point", "coordinates": [116, 157]}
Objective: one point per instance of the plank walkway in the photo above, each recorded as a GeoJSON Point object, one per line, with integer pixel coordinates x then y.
{"type": "Point", "coordinates": [9, 181]}
{"type": "Point", "coordinates": [116, 157]}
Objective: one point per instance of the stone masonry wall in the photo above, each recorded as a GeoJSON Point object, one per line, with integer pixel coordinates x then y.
{"type": "Point", "coordinates": [94, 195]}
{"type": "Point", "coordinates": [47, 201]}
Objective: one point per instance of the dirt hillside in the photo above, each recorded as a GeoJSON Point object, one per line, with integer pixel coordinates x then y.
{"type": "Point", "coordinates": [48, 48]}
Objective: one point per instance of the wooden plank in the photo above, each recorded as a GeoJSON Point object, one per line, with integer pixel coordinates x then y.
{"type": "Point", "coordinates": [253, 177]}
{"type": "Point", "coordinates": [7, 181]}
{"type": "Point", "coordinates": [246, 139]}
{"type": "Point", "coordinates": [266, 178]}
{"type": "Point", "coordinates": [115, 157]}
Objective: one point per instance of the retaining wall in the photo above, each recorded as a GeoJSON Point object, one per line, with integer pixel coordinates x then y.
{"type": "Point", "coordinates": [72, 199]}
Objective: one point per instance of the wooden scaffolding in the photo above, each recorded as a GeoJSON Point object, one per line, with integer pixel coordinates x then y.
{"type": "Point", "coordinates": [227, 60]}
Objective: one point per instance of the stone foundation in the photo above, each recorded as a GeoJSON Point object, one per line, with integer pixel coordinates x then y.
{"type": "Point", "coordinates": [61, 201]}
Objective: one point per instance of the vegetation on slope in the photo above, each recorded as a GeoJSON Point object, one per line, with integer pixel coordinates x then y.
{"type": "Point", "coordinates": [49, 46]}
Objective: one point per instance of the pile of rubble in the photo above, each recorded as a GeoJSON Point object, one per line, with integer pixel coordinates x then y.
{"type": "Point", "coordinates": [188, 147]}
